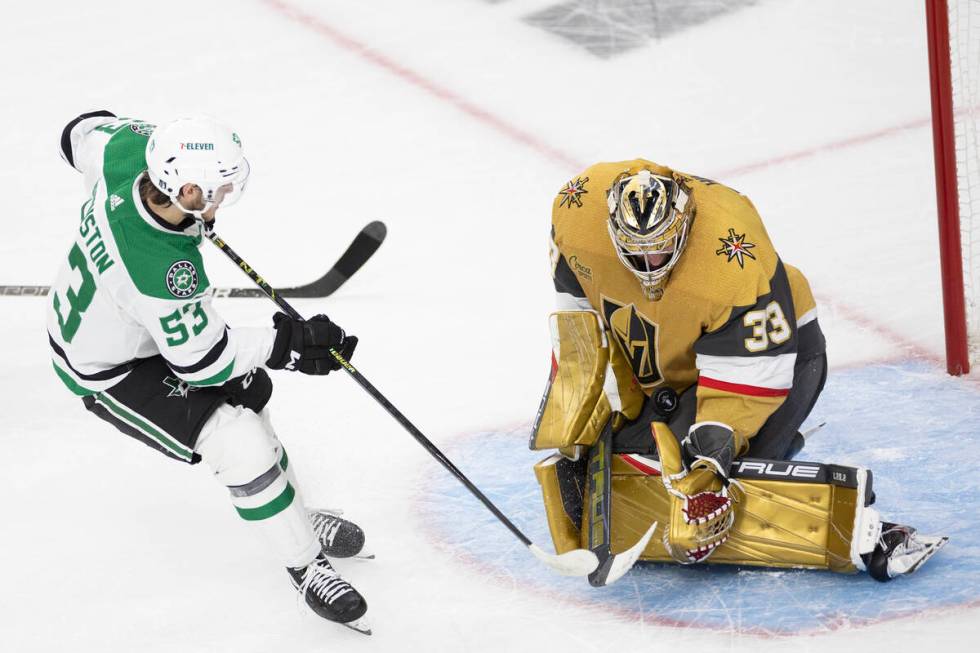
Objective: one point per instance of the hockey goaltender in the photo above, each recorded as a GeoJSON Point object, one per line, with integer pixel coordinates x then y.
{"type": "Point", "coordinates": [686, 356]}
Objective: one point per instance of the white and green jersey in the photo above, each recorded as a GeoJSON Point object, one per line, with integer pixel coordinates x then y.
{"type": "Point", "coordinates": [133, 286]}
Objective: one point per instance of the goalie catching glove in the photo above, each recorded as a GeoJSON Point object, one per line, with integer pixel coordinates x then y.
{"type": "Point", "coordinates": [702, 504]}
{"type": "Point", "coordinates": [304, 345]}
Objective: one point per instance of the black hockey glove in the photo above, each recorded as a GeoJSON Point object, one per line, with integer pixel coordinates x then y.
{"type": "Point", "coordinates": [304, 345]}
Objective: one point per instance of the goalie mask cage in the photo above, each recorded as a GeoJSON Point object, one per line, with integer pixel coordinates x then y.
{"type": "Point", "coordinates": [954, 73]}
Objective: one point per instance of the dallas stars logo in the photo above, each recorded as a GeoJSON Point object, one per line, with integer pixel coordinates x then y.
{"type": "Point", "coordinates": [735, 248]}
{"type": "Point", "coordinates": [182, 279]}
{"type": "Point", "coordinates": [572, 193]}
{"type": "Point", "coordinates": [177, 387]}
{"type": "Point", "coordinates": [142, 128]}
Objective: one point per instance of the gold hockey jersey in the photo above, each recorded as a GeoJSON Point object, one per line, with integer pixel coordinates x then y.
{"type": "Point", "coordinates": [729, 312]}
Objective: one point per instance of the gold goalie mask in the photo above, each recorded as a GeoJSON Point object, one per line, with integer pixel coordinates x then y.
{"type": "Point", "coordinates": [649, 222]}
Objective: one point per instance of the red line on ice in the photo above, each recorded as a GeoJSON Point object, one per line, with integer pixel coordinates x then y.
{"type": "Point", "coordinates": [421, 82]}
{"type": "Point", "coordinates": [503, 126]}
{"type": "Point", "coordinates": [842, 144]}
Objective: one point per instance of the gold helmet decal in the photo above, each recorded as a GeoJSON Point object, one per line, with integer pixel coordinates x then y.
{"type": "Point", "coordinates": [649, 219]}
{"type": "Point", "coordinates": [643, 204]}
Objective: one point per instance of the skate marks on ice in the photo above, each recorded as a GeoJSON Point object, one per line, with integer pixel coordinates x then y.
{"type": "Point", "coordinates": [914, 427]}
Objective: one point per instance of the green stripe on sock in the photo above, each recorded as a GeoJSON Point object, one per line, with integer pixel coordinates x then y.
{"type": "Point", "coordinates": [270, 509]}
{"type": "Point", "coordinates": [162, 438]}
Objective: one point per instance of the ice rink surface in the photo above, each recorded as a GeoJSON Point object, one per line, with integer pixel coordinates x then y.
{"type": "Point", "coordinates": [455, 122]}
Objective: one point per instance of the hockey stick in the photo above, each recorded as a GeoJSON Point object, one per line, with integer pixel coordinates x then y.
{"type": "Point", "coordinates": [573, 563]}
{"type": "Point", "coordinates": [364, 245]}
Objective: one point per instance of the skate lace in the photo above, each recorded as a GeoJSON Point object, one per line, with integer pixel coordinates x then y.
{"type": "Point", "coordinates": [902, 541]}
{"type": "Point", "coordinates": [326, 527]}
{"type": "Point", "coordinates": [324, 581]}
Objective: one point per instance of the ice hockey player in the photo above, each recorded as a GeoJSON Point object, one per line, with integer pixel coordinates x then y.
{"type": "Point", "coordinates": [133, 332]}
{"type": "Point", "coordinates": [710, 336]}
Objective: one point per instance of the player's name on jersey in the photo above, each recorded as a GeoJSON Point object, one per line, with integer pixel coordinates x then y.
{"type": "Point", "coordinates": [97, 252]}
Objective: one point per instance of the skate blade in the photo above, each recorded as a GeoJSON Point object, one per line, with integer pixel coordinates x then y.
{"type": "Point", "coordinates": [363, 554]}
{"type": "Point", "coordinates": [359, 625]}
{"type": "Point", "coordinates": [933, 545]}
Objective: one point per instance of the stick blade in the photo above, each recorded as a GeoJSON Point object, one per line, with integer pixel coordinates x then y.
{"type": "Point", "coordinates": [617, 565]}
{"type": "Point", "coordinates": [364, 245]}
{"type": "Point", "coordinates": [579, 562]}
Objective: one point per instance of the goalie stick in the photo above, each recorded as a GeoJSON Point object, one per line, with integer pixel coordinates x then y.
{"type": "Point", "coordinates": [612, 566]}
{"type": "Point", "coordinates": [362, 248]}
{"type": "Point", "coordinates": [572, 563]}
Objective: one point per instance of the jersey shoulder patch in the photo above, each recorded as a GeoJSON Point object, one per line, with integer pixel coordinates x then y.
{"type": "Point", "coordinates": [125, 154]}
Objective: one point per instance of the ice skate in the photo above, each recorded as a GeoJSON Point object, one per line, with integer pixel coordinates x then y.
{"type": "Point", "coordinates": [340, 538]}
{"type": "Point", "coordinates": [329, 595]}
{"type": "Point", "coordinates": [901, 550]}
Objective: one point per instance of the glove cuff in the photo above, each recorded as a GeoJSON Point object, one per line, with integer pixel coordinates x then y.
{"type": "Point", "coordinates": [279, 355]}
{"type": "Point", "coordinates": [710, 444]}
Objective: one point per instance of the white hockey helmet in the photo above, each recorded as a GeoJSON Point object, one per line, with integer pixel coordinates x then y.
{"type": "Point", "coordinates": [201, 151]}
{"type": "Point", "coordinates": [648, 216]}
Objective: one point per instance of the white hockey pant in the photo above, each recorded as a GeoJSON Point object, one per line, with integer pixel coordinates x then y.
{"type": "Point", "coordinates": [242, 450]}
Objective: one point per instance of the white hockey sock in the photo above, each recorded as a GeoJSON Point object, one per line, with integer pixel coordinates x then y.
{"type": "Point", "coordinates": [246, 458]}
{"type": "Point", "coordinates": [283, 457]}
{"type": "Point", "coordinates": [288, 530]}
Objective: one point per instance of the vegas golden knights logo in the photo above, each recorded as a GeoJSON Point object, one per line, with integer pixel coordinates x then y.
{"type": "Point", "coordinates": [637, 337]}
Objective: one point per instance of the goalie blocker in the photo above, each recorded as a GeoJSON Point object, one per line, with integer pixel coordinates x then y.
{"type": "Point", "coordinates": [787, 514]}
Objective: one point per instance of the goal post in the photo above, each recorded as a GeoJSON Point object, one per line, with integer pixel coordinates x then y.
{"type": "Point", "coordinates": [954, 72]}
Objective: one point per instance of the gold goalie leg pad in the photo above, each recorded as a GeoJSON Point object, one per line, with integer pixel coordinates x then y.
{"type": "Point", "coordinates": [793, 514]}
{"type": "Point", "coordinates": [563, 487]}
{"type": "Point", "coordinates": [583, 390]}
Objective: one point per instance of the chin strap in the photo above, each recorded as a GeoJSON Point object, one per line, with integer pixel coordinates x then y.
{"type": "Point", "coordinates": [197, 215]}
